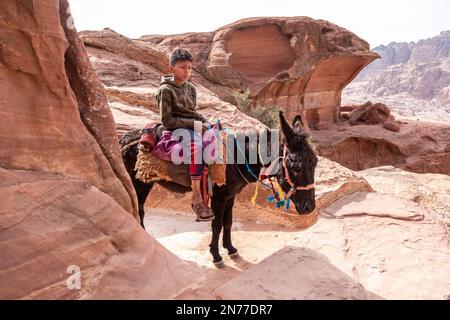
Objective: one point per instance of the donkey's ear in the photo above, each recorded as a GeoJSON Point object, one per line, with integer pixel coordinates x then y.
{"type": "Point", "coordinates": [297, 123]}
{"type": "Point", "coordinates": [287, 130]}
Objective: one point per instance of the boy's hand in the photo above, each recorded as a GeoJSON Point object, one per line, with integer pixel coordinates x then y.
{"type": "Point", "coordinates": [206, 126]}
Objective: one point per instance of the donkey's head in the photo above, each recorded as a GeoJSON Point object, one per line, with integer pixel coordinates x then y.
{"type": "Point", "coordinates": [299, 164]}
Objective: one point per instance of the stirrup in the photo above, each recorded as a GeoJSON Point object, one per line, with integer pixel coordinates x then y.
{"type": "Point", "coordinates": [198, 208]}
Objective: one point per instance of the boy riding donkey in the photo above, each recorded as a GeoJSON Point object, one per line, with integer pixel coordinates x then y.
{"type": "Point", "coordinates": [177, 100]}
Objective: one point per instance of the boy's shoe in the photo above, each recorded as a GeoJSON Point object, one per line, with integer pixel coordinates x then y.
{"type": "Point", "coordinates": [203, 213]}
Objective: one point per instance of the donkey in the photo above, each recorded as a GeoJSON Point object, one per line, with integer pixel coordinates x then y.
{"type": "Point", "coordinates": [295, 176]}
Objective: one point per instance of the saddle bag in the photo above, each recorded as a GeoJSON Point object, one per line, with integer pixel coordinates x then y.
{"type": "Point", "coordinates": [149, 137]}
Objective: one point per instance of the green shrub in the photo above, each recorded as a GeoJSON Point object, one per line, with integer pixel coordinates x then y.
{"type": "Point", "coordinates": [266, 115]}
{"type": "Point", "coordinates": [243, 100]}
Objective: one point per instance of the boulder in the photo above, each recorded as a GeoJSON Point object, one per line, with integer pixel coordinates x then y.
{"type": "Point", "coordinates": [392, 125]}
{"type": "Point", "coordinates": [294, 273]}
{"type": "Point", "coordinates": [370, 113]}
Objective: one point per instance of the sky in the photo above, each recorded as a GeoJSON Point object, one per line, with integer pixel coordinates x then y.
{"type": "Point", "coordinates": [376, 21]}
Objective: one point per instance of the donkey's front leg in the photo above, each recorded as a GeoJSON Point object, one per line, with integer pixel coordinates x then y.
{"type": "Point", "coordinates": [227, 224]}
{"type": "Point", "coordinates": [218, 206]}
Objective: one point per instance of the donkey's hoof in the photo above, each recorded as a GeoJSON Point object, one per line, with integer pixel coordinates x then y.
{"type": "Point", "coordinates": [234, 256]}
{"type": "Point", "coordinates": [219, 264]}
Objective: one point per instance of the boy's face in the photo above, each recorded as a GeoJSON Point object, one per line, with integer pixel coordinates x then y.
{"type": "Point", "coordinates": [182, 71]}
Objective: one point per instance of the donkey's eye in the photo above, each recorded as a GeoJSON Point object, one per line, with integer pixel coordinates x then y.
{"type": "Point", "coordinates": [295, 162]}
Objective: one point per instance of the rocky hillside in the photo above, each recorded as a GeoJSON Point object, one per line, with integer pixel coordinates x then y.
{"type": "Point", "coordinates": [130, 71]}
{"type": "Point", "coordinates": [298, 64]}
{"type": "Point", "coordinates": [412, 78]}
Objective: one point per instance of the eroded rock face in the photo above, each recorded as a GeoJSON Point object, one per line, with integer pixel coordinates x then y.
{"type": "Point", "coordinates": [52, 224]}
{"type": "Point", "coordinates": [297, 63]}
{"type": "Point", "coordinates": [418, 146]}
{"type": "Point", "coordinates": [49, 123]}
{"type": "Point", "coordinates": [66, 198]}
{"type": "Point", "coordinates": [111, 41]}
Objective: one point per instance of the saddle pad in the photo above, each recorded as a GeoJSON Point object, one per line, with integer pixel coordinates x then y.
{"type": "Point", "coordinates": [150, 168]}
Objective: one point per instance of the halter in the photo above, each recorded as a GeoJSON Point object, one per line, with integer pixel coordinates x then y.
{"type": "Point", "coordinates": [294, 188]}
{"type": "Point", "coordinates": [266, 173]}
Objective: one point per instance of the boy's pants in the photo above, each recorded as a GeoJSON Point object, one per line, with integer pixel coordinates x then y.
{"type": "Point", "coordinates": [197, 165]}
{"type": "Point", "coordinates": [195, 169]}
{"type": "Point", "coordinates": [199, 143]}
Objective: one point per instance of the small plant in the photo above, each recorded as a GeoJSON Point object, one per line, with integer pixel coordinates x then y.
{"type": "Point", "coordinates": [266, 115]}
{"type": "Point", "coordinates": [243, 100]}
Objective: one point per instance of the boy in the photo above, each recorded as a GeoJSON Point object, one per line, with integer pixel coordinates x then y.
{"type": "Point", "coordinates": [177, 99]}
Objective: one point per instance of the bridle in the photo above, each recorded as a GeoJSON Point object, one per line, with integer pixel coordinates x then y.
{"type": "Point", "coordinates": [267, 173]}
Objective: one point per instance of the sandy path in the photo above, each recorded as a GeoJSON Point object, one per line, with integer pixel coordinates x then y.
{"type": "Point", "coordinates": [189, 240]}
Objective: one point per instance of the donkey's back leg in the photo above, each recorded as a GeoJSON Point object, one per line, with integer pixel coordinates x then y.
{"type": "Point", "coordinates": [227, 224]}
{"type": "Point", "coordinates": [142, 190]}
{"type": "Point", "coordinates": [218, 205]}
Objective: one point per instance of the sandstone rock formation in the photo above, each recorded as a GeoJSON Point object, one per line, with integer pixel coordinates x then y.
{"type": "Point", "coordinates": [370, 113]}
{"type": "Point", "coordinates": [418, 146]}
{"type": "Point", "coordinates": [66, 198]}
{"type": "Point", "coordinates": [131, 85]}
{"type": "Point", "coordinates": [303, 274]}
{"type": "Point", "coordinates": [297, 63]}
{"type": "Point", "coordinates": [53, 225]}
{"type": "Point", "coordinates": [392, 54]}
{"type": "Point", "coordinates": [131, 79]}
{"type": "Point", "coordinates": [56, 117]}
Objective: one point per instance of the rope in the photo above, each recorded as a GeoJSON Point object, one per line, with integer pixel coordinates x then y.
{"type": "Point", "coordinates": [247, 166]}
{"type": "Point", "coordinates": [130, 145]}
{"type": "Point", "coordinates": [255, 195]}
{"type": "Point", "coordinates": [277, 194]}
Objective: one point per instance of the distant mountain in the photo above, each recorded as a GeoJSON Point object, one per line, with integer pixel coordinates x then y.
{"type": "Point", "coordinates": [413, 78]}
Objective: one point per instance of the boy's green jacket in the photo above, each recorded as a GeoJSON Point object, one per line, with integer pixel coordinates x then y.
{"type": "Point", "coordinates": [177, 104]}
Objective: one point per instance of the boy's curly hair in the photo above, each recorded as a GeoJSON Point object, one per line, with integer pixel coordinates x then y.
{"type": "Point", "coordinates": [180, 54]}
